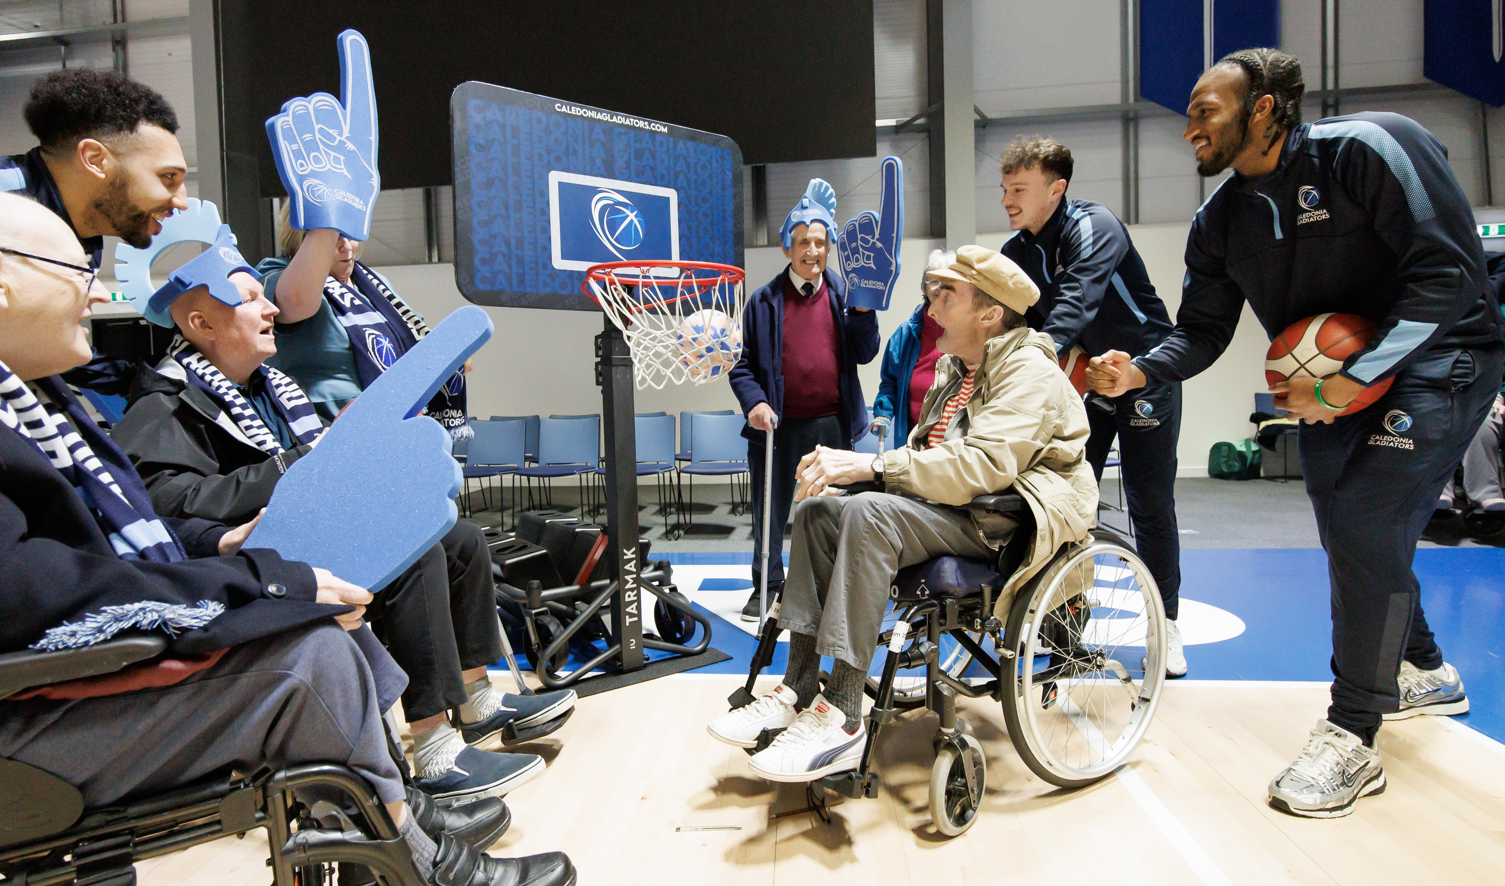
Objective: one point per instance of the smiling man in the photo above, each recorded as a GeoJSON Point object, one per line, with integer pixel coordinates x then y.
{"type": "Point", "coordinates": [797, 375]}
{"type": "Point", "coordinates": [1000, 415]}
{"type": "Point", "coordinates": [1362, 215]}
{"type": "Point", "coordinates": [1096, 293]}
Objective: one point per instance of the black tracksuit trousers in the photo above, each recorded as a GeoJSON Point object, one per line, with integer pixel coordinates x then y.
{"type": "Point", "coordinates": [1373, 478]}
{"type": "Point", "coordinates": [1147, 423]}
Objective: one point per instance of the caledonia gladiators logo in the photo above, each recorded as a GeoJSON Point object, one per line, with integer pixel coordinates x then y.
{"type": "Point", "coordinates": [1309, 197]}
{"type": "Point", "coordinates": [1145, 410]}
{"type": "Point", "coordinates": [380, 348]}
{"type": "Point", "coordinates": [617, 222]}
{"type": "Point", "coordinates": [1397, 423]}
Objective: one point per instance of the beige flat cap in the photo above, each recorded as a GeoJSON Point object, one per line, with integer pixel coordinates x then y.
{"type": "Point", "coordinates": [999, 277]}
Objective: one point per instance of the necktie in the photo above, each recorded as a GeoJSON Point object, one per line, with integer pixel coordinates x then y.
{"type": "Point", "coordinates": [808, 289]}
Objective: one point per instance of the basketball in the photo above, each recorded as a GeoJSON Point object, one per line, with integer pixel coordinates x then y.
{"type": "Point", "coordinates": [1074, 364]}
{"type": "Point", "coordinates": [709, 344]}
{"type": "Point", "coordinates": [1316, 348]}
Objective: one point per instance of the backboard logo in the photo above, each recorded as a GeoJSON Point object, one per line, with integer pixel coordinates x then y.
{"type": "Point", "coordinates": [617, 222]}
{"type": "Point", "coordinates": [1308, 197]}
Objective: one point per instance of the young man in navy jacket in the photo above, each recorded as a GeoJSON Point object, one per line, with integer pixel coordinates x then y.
{"type": "Point", "coordinates": [1358, 214]}
{"type": "Point", "coordinates": [798, 372]}
{"type": "Point", "coordinates": [1095, 292]}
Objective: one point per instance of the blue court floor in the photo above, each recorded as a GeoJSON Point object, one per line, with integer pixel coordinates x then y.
{"type": "Point", "coordinates": [1264, 615]}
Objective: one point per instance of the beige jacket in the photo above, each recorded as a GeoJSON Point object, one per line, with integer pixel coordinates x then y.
{"type": "Point", "coordinates": [1026, 428]}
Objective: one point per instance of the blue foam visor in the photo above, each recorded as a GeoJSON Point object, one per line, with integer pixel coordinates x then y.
{"type": "Point", "coordinates": [212, 269]}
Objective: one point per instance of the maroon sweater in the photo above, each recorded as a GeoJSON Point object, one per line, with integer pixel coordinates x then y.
{"type": "Point", "coordinates": [811, 360]}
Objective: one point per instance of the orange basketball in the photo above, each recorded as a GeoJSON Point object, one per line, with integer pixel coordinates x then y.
{"type": "Point", "coordinates": [1074, 364]}
{"type": "Point", "coordinates": [1316, 348]}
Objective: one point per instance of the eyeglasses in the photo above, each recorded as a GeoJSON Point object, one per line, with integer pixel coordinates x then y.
{"type": "Point", "coordinates": [91, 273]}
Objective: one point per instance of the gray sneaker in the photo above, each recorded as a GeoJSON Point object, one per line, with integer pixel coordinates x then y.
{"type": "Point", "coordinates": [1437, 692]}
{"type": "Point", "coordinates": [1333, 771]}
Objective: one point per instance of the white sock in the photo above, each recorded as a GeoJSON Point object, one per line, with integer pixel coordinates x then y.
{"type": "Point", "coordinates": [434, 752]}
{"type": "Point", "coordinates": [481, 701]}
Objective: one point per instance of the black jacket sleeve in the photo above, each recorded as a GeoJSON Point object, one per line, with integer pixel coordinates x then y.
{"type": "Point", "coordinates": [1090, 254]}
{"type": "Point", "coordinates": [1211, 304]}
{"type": "Point", "coordinates": [200, 538]}
{"type": "Point", "coordinates": [45, 581]}
{"type": "Point", "coordinates": [1399, 172]}
{"type": "Point", "coordinates": [169, 445]}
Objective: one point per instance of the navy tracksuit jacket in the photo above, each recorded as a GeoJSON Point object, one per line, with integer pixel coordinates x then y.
{"type": "Point", "coordinates": [1362, 215]}
{"type": "Point", "coordinates": [1094, 291]}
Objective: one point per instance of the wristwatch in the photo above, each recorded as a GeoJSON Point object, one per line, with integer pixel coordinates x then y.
{"type": "Point", "coordinates": [878, 468]}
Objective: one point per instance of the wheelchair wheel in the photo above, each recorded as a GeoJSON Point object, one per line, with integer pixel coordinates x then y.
{"type": "Point", "coordinates": [673, 625]}
{"type": "Point", "coordinates": [548, 628]}
{"type": "Point", "coordinates": [954, 797]}
{"type": "Point", "coordinates": [1088, 637]}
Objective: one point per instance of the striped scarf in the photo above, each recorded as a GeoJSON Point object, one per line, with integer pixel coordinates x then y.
{"type": "Point", "coordinates": [292, 404]}
{"type": "Point", "coordinates": [954, 405]}
{"type": "Point", "coordinates": [382, 328]}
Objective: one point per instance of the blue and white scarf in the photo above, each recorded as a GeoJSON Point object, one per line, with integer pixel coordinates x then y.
{"type": "Point", "coordinates": [103, 477]}
{"type": "Point", "coordinates": [382, 328]}
{"type": "Point", "coordinates": [290, 401]}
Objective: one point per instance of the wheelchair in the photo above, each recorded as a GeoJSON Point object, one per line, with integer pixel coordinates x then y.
{"type": "Point", "coordinates": [551, 576]}
{"type": "Point", "coordinates": [1078, 665]}
{"type": "Point", "coordinates": [48, 837]}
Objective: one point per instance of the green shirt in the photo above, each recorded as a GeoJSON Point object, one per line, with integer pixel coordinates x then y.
{"type": "Point", "coordinates": [315, 352]}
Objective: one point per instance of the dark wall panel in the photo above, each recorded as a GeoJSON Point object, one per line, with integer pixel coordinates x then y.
{"type": "Point", "coordinates": [785, 80]}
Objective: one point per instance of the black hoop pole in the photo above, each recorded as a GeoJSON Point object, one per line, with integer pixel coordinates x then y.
{"type": "Point", "coordinates": [614, 376]}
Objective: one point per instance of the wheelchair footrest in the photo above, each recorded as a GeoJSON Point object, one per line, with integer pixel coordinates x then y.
{"type": "Point", "coordinates": [765, 738]}
{"type": "Point", "coordinates": [851, 784]}
{"type": "Point", "coordinates": [512, 735]}
{"type": "Point", "coordinates": [741, 698]}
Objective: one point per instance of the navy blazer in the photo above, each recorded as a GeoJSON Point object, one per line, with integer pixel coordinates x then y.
{"type": "Point", "coordinates": [56, 566]}
{"type": "Point", "coordinates": [758, 376]}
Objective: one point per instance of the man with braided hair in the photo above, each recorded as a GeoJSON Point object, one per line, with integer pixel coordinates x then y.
{"type": "Point", "coordinates": [1357, 214]}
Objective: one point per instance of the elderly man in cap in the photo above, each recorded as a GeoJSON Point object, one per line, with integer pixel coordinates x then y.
{"type": "Point", "coordinates": [1000, 415]}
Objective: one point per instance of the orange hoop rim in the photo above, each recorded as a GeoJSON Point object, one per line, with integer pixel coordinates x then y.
{"type": "Point", "coordinates": [605, 274]}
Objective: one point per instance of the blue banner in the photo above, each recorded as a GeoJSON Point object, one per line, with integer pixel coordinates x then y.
{"type": "Point", "coordinates": [1464, 46]}
{"type": "Point", "coordinates": [1173, 41]}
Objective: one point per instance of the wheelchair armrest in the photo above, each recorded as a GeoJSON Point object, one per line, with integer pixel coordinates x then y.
{"type": "Point", "coordinates": [25, 669]}
{"type": "Point", "coordinates": [1005, 502]}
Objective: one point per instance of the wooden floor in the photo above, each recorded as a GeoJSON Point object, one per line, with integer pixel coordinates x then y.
{"type": "Point", "coordinates": [636, 766]}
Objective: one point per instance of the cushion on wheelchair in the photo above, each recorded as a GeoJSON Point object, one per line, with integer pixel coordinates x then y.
{"type": "Point", "coordinates": [944, 577]}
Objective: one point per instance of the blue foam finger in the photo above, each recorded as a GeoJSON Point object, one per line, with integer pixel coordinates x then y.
{"type": "Point", "coordinates": [868, 248]}
{"type": "Point", "coordinates": [325, 149]}
{"type": "Point", "coordinates": [380, 487]}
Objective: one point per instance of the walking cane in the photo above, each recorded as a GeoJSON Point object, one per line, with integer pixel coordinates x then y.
{"type": "Point", "coordinates": [763, 554]}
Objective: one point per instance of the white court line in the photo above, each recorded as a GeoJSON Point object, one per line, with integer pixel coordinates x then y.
{"type": "Point", "coordinates": [1185, 845]}
{"type": "Point", "coordinates": [1470, 732]}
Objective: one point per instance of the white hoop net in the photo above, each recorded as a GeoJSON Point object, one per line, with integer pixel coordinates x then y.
{"type": "Point", "coordinates": [682, 320]}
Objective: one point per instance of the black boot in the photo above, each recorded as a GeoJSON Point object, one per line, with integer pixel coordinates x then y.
{"type": "Point", "coordinates": [478, 823]}
{"type": "Point", "coordinates": [457, 864]}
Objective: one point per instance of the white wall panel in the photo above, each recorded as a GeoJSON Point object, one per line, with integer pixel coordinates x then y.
{"type": "Point", "coordinates": [899, 57]}
{"type": "Point", "coordinates": [1045, 55]}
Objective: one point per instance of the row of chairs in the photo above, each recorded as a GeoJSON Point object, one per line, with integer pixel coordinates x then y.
{"type": "Point", "coordinates": [530, 448]}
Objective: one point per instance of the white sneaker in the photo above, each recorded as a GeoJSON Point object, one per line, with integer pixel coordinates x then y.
{"type": "Point", "coordinates": [741, 728]}
{"type": "Point", "coordinates": [1175, 657]}
{"type": "Point", "coordinates": [815, 745]}
{"type": "Point", "coordinates": [1333, 771]}
{"type": "Point", "coordinates": [1438, 692]}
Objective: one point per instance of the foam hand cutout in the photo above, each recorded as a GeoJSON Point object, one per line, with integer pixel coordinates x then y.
{"type": "Point", "coordinates": [868, 248]}
{"type": "Point", "coordinates": [379, 488]}
{"type": "Point", "coordinates": [326, 149]}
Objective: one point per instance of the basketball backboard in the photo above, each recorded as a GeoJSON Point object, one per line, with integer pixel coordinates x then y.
{"type": "Point", "coordinates": [546, 188]}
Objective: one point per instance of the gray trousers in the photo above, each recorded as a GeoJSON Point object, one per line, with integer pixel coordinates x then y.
{"type": "Point", "coordinates": [1481, 464]}
{"type": "Point", "coordinates": [844, 555]}
{"type": "Point", "coordinates": [305, 696]}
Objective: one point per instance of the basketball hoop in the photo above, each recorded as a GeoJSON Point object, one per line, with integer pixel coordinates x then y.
{"type": "Point", "coordinates": [682, 319]}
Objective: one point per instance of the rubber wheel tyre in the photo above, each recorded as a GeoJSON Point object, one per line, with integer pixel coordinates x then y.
{"type": "Point", "coordinates": [548, 628]}
{"type": "Point", "coordinates": [673, 626]}
{"type": "Point", "coordinates": [953, 805]}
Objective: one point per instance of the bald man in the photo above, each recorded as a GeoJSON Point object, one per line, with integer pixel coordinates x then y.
{"type": "Point", "coordinates": [264, 672]}
{"type": "Point", "coordinates": [211, 430]}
